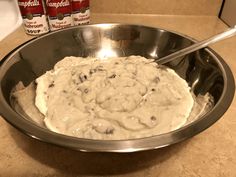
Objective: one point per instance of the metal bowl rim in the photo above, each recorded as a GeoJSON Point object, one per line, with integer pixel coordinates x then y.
{"type": "Point", "coordinates": [130, 145]}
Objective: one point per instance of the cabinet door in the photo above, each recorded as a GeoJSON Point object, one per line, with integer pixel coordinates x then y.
{"type": "Point", "coordinates": [228, 14]}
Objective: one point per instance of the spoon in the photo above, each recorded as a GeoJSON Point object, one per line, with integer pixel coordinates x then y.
{"type": "Point", "coordinates": [196, 46]}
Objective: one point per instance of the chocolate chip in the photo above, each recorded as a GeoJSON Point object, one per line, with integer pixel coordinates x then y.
{"type": "Point", "coordinates": [51, 85]}
{"type": "Point", "coordinates": [112, 76]}
{"type": "Point", "coordinates": [153, 89]}
{"type": "Point", "coordinates": [116, 63]}
{"type": "Point", "coordinates": [153, 118]}
{"type": "Point", "coordinates": [82, 77]}
{"type": "Point", "coordinates": [91, 71]}
{"type": "Point", "coordinates": [86, 90]}
{"type": "Point", "coordinates": [109, 131]}
{"type": "Point", "coordinates": [64, 91]}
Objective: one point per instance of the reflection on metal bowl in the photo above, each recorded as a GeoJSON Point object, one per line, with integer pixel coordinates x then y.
{"type": "Point", "coordinates": [204, 70]}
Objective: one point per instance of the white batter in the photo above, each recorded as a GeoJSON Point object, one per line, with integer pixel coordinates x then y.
{"type": "Point", "coordinates": [115, 98]}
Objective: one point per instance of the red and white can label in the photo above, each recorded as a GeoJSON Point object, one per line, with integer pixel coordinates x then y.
{"type": "Point", "coordinates": [34, 16]}
{"type": "Point", "coordinates": [59, 14]}
{"type": "Point", "coordinates": [80, 12]}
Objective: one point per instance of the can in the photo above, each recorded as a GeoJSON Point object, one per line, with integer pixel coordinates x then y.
{"type": "Point", "coordinates": [80, 12]}
{"type": "Point", "coordinates": [59, 14]}
{"type": "Point", "coordinates": [34, 16]}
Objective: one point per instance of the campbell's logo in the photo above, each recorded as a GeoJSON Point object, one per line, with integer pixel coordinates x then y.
{"type": "Point", "coordinates": [30, 3]}
{"type": "Point", "coordinates": [63, 3]}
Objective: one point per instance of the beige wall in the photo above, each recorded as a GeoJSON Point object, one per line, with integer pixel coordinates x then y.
{"type": "Point", "coordinates": [165, 7]}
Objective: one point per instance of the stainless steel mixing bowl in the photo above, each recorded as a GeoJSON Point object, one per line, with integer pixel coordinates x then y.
{"type": "Point", "coordinates": [204, 70]}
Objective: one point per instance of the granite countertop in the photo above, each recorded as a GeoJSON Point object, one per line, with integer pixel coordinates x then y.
{"type": "Point", "coordinates": [210, 153]}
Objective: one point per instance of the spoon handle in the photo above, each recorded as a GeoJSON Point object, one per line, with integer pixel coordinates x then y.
{"type": "Point", "coordinates": [197, 46]}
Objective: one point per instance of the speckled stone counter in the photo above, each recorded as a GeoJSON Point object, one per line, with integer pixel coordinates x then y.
{"type": "Point", "coordinates": [211, 153]}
